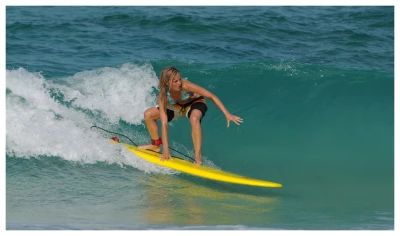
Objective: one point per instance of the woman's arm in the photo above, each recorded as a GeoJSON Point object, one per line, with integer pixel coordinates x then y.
{"type": "Point", "coordinates": [191, 87]}
{"type": "Point", "coordinates": [164, 130]}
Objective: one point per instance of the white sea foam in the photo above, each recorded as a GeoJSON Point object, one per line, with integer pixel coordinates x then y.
{"type": "Point", "coordinates": [39, 125]}
{"type": "Point", "coordinates": [119, 93]}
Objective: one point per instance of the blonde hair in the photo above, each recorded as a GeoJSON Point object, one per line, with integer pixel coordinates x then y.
{"type": "Point", "coordinates": [166, 77]}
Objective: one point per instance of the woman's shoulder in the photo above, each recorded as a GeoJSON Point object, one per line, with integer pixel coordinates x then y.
{"type": "Point", "coordinates": [186, 85]}
{"type": "Point", "coordinates": [186, 82]}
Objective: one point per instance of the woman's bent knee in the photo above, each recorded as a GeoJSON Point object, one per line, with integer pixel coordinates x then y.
{"type": "Point", "coordinates": [151, 113]}
{"type": "Point", "coordinates": [195, 117]}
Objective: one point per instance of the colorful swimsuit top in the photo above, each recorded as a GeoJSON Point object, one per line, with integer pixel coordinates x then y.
{"type": "Point", "coordinates": [185, 96]}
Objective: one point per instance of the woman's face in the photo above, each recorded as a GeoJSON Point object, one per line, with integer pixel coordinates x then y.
{"type": "Point", "coordinates": [176, 84]}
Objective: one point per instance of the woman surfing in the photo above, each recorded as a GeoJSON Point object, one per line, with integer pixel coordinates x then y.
{"type": "Point", "coordinates": [177, 98]}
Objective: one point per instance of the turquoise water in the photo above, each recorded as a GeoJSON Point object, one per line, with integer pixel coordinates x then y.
{"type": "Point", "coordinates": [314, 85]}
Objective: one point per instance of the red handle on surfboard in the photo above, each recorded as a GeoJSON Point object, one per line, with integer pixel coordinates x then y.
{"type": "Point", "coordinates": [115, 139]}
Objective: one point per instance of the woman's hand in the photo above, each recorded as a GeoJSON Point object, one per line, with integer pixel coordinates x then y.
{"type": "Point", "coordinates": [165, 155]}
{"type": "Point", "coordinates": [233, 118]}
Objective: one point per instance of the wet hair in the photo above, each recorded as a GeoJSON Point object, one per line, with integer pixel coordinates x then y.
{"type": "Point", "coordinates": [166, 77]}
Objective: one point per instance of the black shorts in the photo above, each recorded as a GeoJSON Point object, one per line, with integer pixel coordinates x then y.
{"type": "Point", "coordinates": [177, 113]}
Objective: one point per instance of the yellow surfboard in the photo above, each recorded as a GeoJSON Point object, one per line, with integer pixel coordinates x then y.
{"type": "Point", "coordinates": [201, 171]}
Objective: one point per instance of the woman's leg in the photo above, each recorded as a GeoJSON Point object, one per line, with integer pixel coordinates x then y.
{"type": "Point", "coordinates": [151, 116]}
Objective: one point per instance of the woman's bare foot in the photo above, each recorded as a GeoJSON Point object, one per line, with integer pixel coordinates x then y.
{"type": "Point", "coordinates": [151, 147]}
